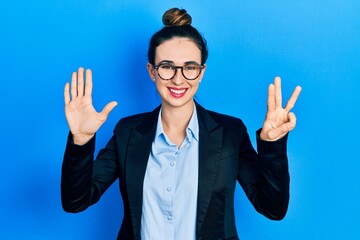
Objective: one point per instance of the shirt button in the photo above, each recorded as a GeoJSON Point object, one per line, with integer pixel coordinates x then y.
{"type": "Point", "coordinates": [170, 218]}
{"type": "Point", "coordinates": [168, 189]}
{"type": "Point", "coordinates": [172, 164]}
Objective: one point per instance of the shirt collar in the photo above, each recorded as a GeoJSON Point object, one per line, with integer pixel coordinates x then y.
{"type": "Point", "coordinates": [192, 130]}
{"type": "Point", "coordinates": [193, 127]}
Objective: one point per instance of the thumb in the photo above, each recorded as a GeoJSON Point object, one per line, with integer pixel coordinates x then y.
{"type": "Point", "coordinates": [108, 108]}
{"type": "Point", "coordinates": [283, 129]}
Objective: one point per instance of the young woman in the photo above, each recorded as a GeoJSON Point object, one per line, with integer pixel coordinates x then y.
{"type": "Point", "coordinates": [177, 165]}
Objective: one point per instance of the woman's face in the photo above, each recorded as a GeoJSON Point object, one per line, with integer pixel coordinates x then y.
{"type": "Point", "coordinates": [178, 91]}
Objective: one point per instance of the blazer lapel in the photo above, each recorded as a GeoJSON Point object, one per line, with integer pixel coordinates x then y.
{"type": "Point", "coordinates": [139, 148]}
{"type": "Point", "coordinates": [210, 141]}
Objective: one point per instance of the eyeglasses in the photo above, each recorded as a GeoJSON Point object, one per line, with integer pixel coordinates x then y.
{"type": "Point", "coordinates": [167, 71]}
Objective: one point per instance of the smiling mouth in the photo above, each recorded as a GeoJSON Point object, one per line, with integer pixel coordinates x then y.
{"type": "Point", "coordinates": [177, 92]}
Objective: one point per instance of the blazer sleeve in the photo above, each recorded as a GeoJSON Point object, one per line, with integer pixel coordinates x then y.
{"type": "Point", "coordinates": [264, 176]}
{"type": "Point", "coordinates": [83, 181]}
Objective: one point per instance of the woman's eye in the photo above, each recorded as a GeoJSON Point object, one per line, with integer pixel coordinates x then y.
{"type": "Point", "coordinates": [167, 67]}
{"type": "Point", "coordinates": [190, 67]}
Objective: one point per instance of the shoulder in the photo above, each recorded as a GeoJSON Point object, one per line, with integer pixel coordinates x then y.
{"type": "Point", "coordinates": [224, 120]}
{"type": "Point", "coordinates": [143, 121]}
{"type": "Point", "coordinates": [133, 120]}
{"type": "Point", "coordinates": [230, 124]}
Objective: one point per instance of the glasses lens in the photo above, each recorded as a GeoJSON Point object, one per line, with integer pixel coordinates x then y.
{"type": "Point", "coordinates": [166, 71]}
{"type": "Point", "coordinates": [191, 72]}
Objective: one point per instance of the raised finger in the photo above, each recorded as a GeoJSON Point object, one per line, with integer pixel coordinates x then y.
{"type": "Point", "coordinates": [278, 96]}
{"type": "Point", "coordinates": [66, 94]}
{"type": "Point", "coordinates": [88, 84]}
{"type": "Point", "coordinates": [80, 82]}
{"type": "Point", "coordinates": [271, 98]}
{"type": "Point", "coordinates": [73, 85]}
{"type": "Point", "coordinates": [291, 103]}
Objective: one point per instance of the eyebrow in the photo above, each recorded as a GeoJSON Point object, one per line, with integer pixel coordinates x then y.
{"type": "Point", "coordinates": [172, 62]}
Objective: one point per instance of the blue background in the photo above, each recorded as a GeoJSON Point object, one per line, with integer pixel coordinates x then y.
{"type": "Point", "coordinates": [315, 44]}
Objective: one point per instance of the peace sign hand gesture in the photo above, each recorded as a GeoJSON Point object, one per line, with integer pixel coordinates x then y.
{"type": "Point", "coordinates": [81, 115]}
{"type": "Point", "coordinates": [279, 121]}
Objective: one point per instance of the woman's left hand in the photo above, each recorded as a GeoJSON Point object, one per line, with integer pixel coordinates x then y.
{"type": "Point", "coordinates": [279, 121]}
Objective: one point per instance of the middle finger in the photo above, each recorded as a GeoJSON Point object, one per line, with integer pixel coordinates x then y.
{"type": "Point", "coordinates": [278, 96]}
{"type": "Point", "coordinates": [80, 82]}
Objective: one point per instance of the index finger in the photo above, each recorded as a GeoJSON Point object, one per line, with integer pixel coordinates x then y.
{"type": "Point", "coordinates": [291, 103]}
{"type": "Point", "coordinates": [88, 85]}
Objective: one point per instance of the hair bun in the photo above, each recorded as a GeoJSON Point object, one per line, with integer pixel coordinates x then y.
{"type": "Point", "coordinates": [176, 17]}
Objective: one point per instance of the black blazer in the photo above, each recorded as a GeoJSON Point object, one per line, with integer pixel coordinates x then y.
{"type": "Point", "coordinates": [225, 155]}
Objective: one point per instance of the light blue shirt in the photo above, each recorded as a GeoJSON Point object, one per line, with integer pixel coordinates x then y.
{"type": "Point", "coordinates": [171, 185]}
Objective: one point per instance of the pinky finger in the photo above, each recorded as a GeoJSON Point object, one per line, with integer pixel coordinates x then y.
{"type": "Point", "coordinates": [292, 118]}
{"type": "Point", "coordinates": [67, 93]}
{"type": "Point", "coordinates": [290, 125]}
{"type": "Point", "coordinates": [284, 128]}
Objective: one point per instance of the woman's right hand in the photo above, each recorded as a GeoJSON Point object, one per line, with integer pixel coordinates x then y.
{"type": "Point", "coordinates": [80, 114]}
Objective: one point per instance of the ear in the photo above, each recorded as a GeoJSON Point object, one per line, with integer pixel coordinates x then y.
{"type": "Point", "coordinates": [151, 71]}
{"type": "Point", "coordinates": [202, 73]}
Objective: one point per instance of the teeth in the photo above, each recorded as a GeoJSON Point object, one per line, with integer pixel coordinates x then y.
{"type": "Point", "coordinates": [178, 91]}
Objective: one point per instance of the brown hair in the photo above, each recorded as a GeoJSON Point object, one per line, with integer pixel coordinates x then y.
{"type": "Point", "coordinates": [176, 17]}
{"type": "Point", "coordinates": [177, 24]}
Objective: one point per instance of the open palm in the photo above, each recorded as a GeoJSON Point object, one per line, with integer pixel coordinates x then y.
{"type": "Point", "coordinates": [82, 118]}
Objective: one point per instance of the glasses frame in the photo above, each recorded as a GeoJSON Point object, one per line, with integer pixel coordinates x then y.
{"type": "Point", "coordinates": [176, 70]}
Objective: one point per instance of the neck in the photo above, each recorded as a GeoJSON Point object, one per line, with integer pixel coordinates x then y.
{"type": "Point", "coordinates": [176, 118]}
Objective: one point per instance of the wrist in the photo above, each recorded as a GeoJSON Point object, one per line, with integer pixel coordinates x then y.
{"type": "Point", "coordinates": [264, 137]}
{"type": "Point", "coordinates": [81, 139]}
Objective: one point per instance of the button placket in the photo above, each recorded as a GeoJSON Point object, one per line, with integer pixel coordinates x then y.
{"type": "Point", "coordinates": [168, 187]}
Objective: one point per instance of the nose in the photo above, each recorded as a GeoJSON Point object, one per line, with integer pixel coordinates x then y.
{"type": "Point", "coordinates": [178, 79]}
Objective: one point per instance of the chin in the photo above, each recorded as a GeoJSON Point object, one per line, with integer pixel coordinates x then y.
{"type": "Point", "coordinates": [177, 102]}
